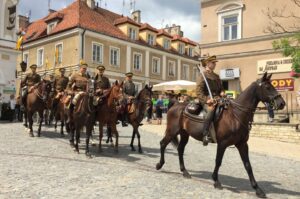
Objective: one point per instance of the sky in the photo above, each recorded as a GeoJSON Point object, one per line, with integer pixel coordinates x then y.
{"type": "Point", "coordinates": [158, 13]}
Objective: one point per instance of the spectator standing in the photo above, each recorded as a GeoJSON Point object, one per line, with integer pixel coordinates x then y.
{"type": "Point", "coordinates": [12, 106]}
{"type": "Point", "coordinates": [18, 109]}
{"type": "Point", "coordinates": [159, 109]}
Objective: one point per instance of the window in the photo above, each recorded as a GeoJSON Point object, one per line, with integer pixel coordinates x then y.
{"type": "Point", "coordinates": [190, 52]}
{"type": "Point", "coordinates": [171, 69]}
{"type": "Point", "coordinates": [230, 21]}
{"type": "Point", "coordinates": [181, 48]}
{"type": "Point", "coordinates": [26, 57]}
{"type": "Point", "coordinates": [132, 33]}
{"type": "Point", "coordinates": [137, 61]}
{"type": "Point", "coordinates": [97, 53]}
{"type": "Point", "coordinates": [195, 74]}
{"type": "Point", "coordinates": [50, 27]}
{"type": "Point", "coordinates": [155, 65]}
{"type": "Point", "coordinates": [58, 53]}
{"type": "Point", "coordinates": [229, 30]}
{"type": "Point", "coordinates": [150, 39]}
{"type": "Point", "coordinates": [185, 72]}
{"type": "Point", "coordinates": [166, 43]}
{"type": "Point", "coordinates": [40, 57]}
{"type": "Point", "coordinates": [114, 56]}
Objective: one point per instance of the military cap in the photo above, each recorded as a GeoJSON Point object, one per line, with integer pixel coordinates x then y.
{"type": "Point", "coordinates": [129, 74]}
{"type": "Point", "coordinates": [33, 66]}
{"type": "Point", "coordinates": [62, 69]}
{"type": "Point", "coordinates": [209, 59]}
{"type": "Point", "coordinates": [83, 65]}
{"type": "Point", "coordinates": [101, 67]}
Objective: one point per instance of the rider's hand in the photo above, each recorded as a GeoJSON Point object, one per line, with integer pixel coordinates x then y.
{"type": "Point", "coordinates": [210, 101]}
{"type": "Point", "coordinates": [223, 94]}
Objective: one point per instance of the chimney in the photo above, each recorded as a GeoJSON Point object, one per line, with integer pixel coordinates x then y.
{"type": "Point", "coordinates": [136, 16]}
{"type": "Point", "coordinates": [174, 30]}
{"type": "Point", "coordinates": [91, 3]}
{"type": "Point", "coordinates": [51, 11]}
{"type": "Point", "coordinates": [23, 22]}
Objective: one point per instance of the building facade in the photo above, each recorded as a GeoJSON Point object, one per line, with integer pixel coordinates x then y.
{"type": "Point", "coordinates": [237, 31]}
{"type": "Point", "coordinates": [84, 31]}
{"type": "Point", "coordinates": [8, 54]}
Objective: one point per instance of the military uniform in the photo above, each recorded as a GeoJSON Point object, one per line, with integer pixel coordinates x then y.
{"type": "Point", "coordinates": [28, 82]}
{"type": "Point", "coordinates": [61, 83]}
{"type": "Point", "coordinates": [78, 82]}
{"type": "Point", "coordinates": [102, 82]}
{"type": "Point", "coordinates": [129, 88]}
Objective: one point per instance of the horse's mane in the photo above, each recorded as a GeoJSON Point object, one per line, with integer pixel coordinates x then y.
{"type": "Point", "coordinates": [140, 93]}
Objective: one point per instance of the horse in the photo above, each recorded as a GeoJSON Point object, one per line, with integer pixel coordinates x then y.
{"type": "Point", "coordinates": [142, 103]}
{"type": "Point", "coordinates": [60, 114]}
{"type": "Point", "coordinates": [107, 113]}
{"type": "Point", "coordinates": [232, 128]}
{"type": "Point", "coordinates": [36, 102]}
{"type": "Point", "coordinates": [83, 116]}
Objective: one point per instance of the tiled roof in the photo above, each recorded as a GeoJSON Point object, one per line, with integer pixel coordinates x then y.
{"type": "Point", "coordinates": [146, 26]}
{"type": "Point", "coordinates": [99, 20]}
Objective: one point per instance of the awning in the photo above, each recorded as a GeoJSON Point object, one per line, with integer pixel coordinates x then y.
{"type": "Point", "coordinates": [175, 86]}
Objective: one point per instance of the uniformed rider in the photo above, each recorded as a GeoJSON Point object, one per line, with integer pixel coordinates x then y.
{"type": "Point", "coordinates": [101, 81]}
{"type": "Point", "coordinates": [216, 87]}
{"type": "Point", "coordinates": [60, 84]}
{"type": "Point", "coordinates": [129, 94]}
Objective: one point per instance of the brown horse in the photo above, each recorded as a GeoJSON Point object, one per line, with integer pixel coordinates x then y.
{"type": "Point", "coordinates": [83, 116]}
{"type": "Point", "coordinates": [107, 113]}
{"type": "Point", "coordinates": [60, 114]}
{"type": "Point", "coordinates": [142, 103]}
{"type": "Point", "coordinates": [232, 127]}
{"type": "Point", "coordinates": [36, 101]}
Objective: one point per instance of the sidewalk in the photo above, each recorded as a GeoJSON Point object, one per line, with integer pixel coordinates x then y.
{"type": "Point", "coordinates": [257, 145]}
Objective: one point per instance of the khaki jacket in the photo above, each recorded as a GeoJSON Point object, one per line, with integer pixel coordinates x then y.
{"type": "Point", "coordinates": [78, 82]}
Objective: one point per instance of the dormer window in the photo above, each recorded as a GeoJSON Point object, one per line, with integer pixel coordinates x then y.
{"type": "Point", "coordinates": [181, 48]}
{"type": "Point", "coordinates": [50, 27]}
{"type": "Point", "coordinates": [190, 52]}
{"type": "Point", "coordinates": [166, 44]}
{"type": "Point", "coordinates": [150, 39]}
{"type": "Point", "coordinates": [132, 33]}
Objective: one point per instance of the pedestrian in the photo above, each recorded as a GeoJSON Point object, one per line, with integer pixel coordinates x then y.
{"type": "Point", "coordinates": [12, 106]}
{"type": "Point", "coordinates": [270, 112]}
{"type": "Point", "coordinates": [159, 109]}
{"type": "Point", "coordinates": [18, 109]}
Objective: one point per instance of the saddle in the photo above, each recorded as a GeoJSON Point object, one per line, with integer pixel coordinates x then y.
{"type": "Point", "coordinates": [131, 108]}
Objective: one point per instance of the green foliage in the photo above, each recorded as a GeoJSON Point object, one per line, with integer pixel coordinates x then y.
{"type": "Point", "coordinates": [290, 48]}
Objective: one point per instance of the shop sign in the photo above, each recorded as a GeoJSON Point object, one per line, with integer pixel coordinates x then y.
{"type": "Point", "coordinates": [279, 65]}
{"type": "Point", "coordinates": [283, 84]}
{"type": "Point", "coordinates": [230, 73]}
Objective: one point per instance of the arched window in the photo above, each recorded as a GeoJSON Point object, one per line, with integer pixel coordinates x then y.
{"type": "Point", "coordinates": [230, 21]}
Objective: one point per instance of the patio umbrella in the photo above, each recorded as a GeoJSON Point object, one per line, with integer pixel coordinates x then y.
{"type": "Point", "coordinates": [175, 85]}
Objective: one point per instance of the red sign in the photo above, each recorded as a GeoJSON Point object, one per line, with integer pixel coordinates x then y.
{"type": "Point", "coordinates": [283, 84]}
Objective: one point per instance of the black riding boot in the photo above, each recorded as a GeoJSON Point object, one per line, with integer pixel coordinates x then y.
{"type": "Point", "coordinates": [205, 132]}
{"type": "Point", "coordinates": [70, 113]}
{"type": "Point", "coordinates": [124, 119]}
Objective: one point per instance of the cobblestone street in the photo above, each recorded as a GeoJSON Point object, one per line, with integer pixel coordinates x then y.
{"type": "Point", "coordinates": [47, 167]}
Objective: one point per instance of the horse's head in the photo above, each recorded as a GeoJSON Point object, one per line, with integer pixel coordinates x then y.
{"type": "Point", "coordinates": [116, 91]}
{"type": "Point", "coordinates": [46, 87]}
{"type": "Point", "coordinates": [146, 96]}
{"type": "Point", "coordinates": [267, 93]}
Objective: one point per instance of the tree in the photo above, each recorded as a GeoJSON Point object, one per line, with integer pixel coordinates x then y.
{"type": "Point", "coordinates": [290, 44]}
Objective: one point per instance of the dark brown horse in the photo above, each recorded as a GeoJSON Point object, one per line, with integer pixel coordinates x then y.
{"type": "Point", "coordinates": [232, 127]}
{"type": "Point", "coordinates": [60, 114]}
{"type": "Point", "coordinates": [37, 102]}
{"type": "Point", "coordinates": [142, 103]}
{"type": "Point", "coordinates": [83, 116]}
{"type": "Point", "coordinates": [107, 113]}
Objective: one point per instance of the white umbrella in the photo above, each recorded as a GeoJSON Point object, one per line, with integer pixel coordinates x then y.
{"type": "Point", "coordinates": [175, 85]}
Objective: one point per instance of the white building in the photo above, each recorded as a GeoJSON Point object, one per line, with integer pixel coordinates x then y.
{"type": "Point", "coordinates": [8, 54]}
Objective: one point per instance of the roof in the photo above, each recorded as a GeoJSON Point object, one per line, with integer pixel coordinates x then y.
{"type": "Point", "coordinates": [98, 20]}
{"type": "Point", "coordinates": [146, 26]}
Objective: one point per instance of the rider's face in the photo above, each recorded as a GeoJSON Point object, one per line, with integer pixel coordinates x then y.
{"type": "Point", "coordinates": [83, 70]}
{"type": "Point", "coordinates": [211, 66]}
{"type": "Point", "coordinates": [101, 72]}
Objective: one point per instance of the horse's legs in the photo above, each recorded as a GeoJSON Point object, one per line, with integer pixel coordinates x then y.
{"type": "Point", "coordinates": [115, 131]}
{"type": "Point", "coordinates": [30, 121]}
{"type": "Point", "coordinates": [87, 139]}
{"type": "Point", "coordinates": [100, 136]}
{"type": "Point", "coordinates": [62, 123]}
{"type": "Point", "coordinates": [132, 139]}
{"type": "Point", "coordinates": [77, 134]}
{"type": "Point", "coordinates": [139, 139]}
{"type": "Point", "coordinates": [220, 152]}
{"type": "Point", "coordinates": [40, 123]}
{"type": "Point", "coordinates": [163, 144]}
{"type": "Point", "coordinates": [244, 153]}
{"type": "Point", "coordinates": [26, 119]}
{"type": "Point", "coordinates": [184, 138]}
{"type": "Point", "coordinates": [70, 126]}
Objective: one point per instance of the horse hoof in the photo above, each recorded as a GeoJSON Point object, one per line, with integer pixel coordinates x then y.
{"type": "Point", "coordinates": [88, 155]}
{"type": "Point", "coordinates": [39, 135]}
{"type": "Point", "coordinates": [116, 150]}
{"type": "Point", "coordinates": [72, 145]}
{"type": "Point", "coordinates": [218, 185]}
{"type": "Point", "coordinates": [133, 149]}
{"type": "Point", "coordinates": [159, 166]}
{"type": "Point", "coordinates": [31, 135]}
{"type": "Point", "coordinates": [140, 151]}
{"type": "Point", "coordinates": [76, 150]}
{"type": "Point", "coordinates": [100, 150]}
{"type": "Point", "coordinates": [62, 135]}
{"type": "Point", "coordinates": [260, 193]}
{"type": "Point", "coordinates": [186, 174]}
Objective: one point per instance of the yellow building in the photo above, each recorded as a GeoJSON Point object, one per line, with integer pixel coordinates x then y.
{"type": "Point", "coordinates": [98, 36]}
{"type": "Point", "coordinates": [237, 31]}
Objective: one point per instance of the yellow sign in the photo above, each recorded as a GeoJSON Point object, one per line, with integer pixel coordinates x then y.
{"type": "Point", "coordinates": [232, 94]}
{"type": "Point", "coordinates": [279, 65]}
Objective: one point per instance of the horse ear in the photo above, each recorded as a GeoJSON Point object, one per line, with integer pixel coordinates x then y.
{"type": "Point", "coordinates": [150, 87]}
{"type": "Point", "coordinates": [269, 77]}
{"type": "Point", "coordinates": [146, 86]}
{"type": "Point", "coordinates": [264, 78]}
{"type": "Point", "coordinates": [116, 82]}
{"type": "Point", "coordinates": [121, 85]}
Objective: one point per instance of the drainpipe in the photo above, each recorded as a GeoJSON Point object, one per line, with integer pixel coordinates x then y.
{"type": "Point", "coordinates": [82, 43]}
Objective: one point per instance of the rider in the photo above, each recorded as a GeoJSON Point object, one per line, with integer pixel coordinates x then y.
{"type": "Point", "coordinates": [60, 84]}
{"type": "Point", "coordinates": [29, 82]}
{"type": "Point", "coordinates": [129, 94]}
{"type": "Point", "coordinates": [77, 85]}
{"type": "Point", "coordinates": [216, 87]}
{"type": "Point", "coordinates": [102, 82]}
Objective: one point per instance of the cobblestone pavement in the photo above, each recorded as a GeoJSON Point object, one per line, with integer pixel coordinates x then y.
{"type": "Point", "coordinates": [47, 167]}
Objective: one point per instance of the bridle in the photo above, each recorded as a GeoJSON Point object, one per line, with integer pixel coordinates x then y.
{"type": "Point", "coordinates": [39, 94]}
